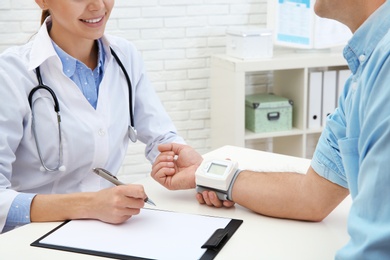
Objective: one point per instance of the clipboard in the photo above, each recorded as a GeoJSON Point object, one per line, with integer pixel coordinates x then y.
{"type": "Point", "coordinates": [153, 234]}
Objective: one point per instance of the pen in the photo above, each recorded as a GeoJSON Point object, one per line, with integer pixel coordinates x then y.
{"type": "Point", "coordinates": [114, 180]}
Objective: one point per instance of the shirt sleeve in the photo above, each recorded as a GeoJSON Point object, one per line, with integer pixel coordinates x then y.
{"type": "Point", "coordinates": [13, 110]}
{"type": "Point", "coordinates": [19, 213]}
{"type": "Point", "coordinates": [327, 161]}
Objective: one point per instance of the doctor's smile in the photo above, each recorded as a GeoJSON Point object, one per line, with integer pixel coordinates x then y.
{"type": "Point", "coordinates": [94, 22]}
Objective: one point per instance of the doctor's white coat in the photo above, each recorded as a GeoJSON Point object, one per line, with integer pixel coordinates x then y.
{"type": "Point", "coordinates": [91, 138]}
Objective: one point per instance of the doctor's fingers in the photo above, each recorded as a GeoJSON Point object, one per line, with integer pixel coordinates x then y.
{"type": "Point", "coordinates": [120, 197]}
{"type": "Point", "coordinates": [119, 215]}
{"type": "Point", "coordinates": [131, 191]}
{"type": "Point", "coordinates": [117, 204]}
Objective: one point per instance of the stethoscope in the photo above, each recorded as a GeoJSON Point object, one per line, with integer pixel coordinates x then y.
{"type": "Point", "coordinates": [132, 132]}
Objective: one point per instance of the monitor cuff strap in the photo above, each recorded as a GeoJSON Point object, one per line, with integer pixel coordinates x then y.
{"type": "Point", "coordinates": [230, 189]}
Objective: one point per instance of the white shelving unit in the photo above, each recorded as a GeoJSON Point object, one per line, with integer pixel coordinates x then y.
{"type": "Point", "coordinates": [290, 79]}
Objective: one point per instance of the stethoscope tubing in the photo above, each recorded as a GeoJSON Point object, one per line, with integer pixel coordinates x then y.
{"type": "Point", "coordinates": [132, 131]}
{"type": "Point", "coordinates": [57, 110]}
{"type": "Point", "coordinates": [60, 150]}
{"type": "Point", "coordinates": [128, 84]}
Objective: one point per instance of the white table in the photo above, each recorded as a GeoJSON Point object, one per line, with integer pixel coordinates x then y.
{"type": "Point", "coordinates": [259, 237]}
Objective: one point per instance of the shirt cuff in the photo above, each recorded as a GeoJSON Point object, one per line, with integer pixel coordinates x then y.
{"type": "Point", "coordinates": [19, 212]}
{"type": "Point", "coordinates": [325, 168]}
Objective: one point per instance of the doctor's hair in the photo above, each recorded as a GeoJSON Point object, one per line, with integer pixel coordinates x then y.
{"type": "Point", "coordinates": [45, 14]}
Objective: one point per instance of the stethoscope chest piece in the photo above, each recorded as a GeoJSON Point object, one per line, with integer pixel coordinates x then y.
{"type": "Point", "coordinates": [133, 134]}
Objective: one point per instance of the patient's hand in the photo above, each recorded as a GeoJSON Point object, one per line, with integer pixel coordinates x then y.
{"type": "Point", "coordinates": [210, 198]}
{"type": "Point", "coordinates": [175, 167]}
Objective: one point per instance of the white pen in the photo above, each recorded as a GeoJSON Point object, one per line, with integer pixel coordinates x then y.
{"type": "Point", "coordinates": [114, 180]}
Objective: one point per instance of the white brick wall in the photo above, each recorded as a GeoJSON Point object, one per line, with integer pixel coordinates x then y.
{"type": "Point", "coordinates": [176, 38]}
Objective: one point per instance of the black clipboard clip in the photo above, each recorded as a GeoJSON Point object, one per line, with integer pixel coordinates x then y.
{"type": "Point", "coordinates": [219, 238]}
{"type": "Point", "coordinates": [216, 239]}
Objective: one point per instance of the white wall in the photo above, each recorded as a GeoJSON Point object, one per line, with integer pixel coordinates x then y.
{"type": "Point", "coordinates": [176, 38]}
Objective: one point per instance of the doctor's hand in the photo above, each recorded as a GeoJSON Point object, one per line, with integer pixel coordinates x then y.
{"type": "Point", "coordinates": [117, 204]}
{"type": "Point", "coordinates": [175, 167]}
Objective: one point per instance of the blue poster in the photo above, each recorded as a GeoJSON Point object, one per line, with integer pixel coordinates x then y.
{"type": "Point", "coordinates": [294, 21]}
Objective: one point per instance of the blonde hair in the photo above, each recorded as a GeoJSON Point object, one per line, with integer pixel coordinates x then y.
{"type": "Point", "coordinates": [45, 14]}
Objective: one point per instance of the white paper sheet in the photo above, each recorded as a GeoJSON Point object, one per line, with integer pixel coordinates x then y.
{"type": "Point", "coordinates": [151, 234]}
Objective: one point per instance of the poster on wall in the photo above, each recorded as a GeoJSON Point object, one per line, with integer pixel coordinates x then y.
{"type": "Point", "coordinates": [296, 25]}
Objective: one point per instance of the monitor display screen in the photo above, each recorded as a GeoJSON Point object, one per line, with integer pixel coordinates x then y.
{"type": "Point", "coordinates": [217, 169]}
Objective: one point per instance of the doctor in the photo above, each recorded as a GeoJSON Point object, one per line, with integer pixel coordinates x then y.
{"type": "Point", "coordinates": [99, 108]}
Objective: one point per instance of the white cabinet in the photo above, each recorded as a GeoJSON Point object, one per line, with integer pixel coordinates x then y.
{"type": "Point", "coordinates": [290, 72]}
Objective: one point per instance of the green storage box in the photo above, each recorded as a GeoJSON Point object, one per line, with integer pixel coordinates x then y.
{"type": "Point", "coordinates": [268, 113]}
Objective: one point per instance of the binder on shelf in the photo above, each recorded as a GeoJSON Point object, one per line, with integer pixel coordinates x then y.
{"type": "Point", "coordinates": [153, 234]}
{"type": "Point", "coordinates": [315, 99]}
{"type": "Point", "coordinates": [329, 94]}
{"type": "Point", "coordinates": [342, 76]}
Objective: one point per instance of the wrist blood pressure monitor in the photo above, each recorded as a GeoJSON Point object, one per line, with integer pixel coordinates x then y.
{"type": "Point", "coordinates": [218, 176]}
